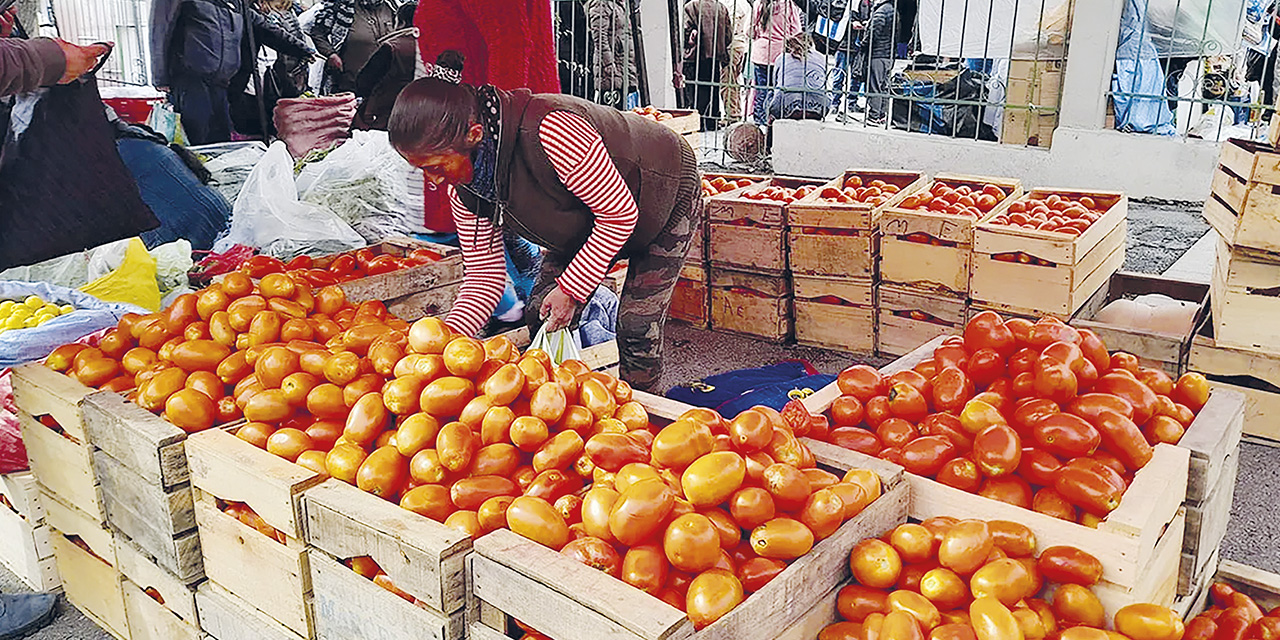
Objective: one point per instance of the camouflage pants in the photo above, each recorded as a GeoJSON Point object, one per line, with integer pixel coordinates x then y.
{"type": "Point", "coordinates": [646, 295]}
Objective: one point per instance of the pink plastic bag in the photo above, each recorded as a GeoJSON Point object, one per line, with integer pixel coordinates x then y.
{"type": "Point", "coordinates": [13, 455]}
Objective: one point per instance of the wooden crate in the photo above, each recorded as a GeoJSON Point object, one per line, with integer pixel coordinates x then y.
{"type": "Point", "coordinates": [682, 121]}
{"type": "Point", "coordinates": [1206, 528]}
{"type": "Point", "coordinates": [735, 207]}
{"type": "Point", "coordinates": [1031, 96]}
{"type": "Point", "coordinates": [515, 577]}
{"type": "Point", "coordinates": [162, 522]}
{"type": "Point", "coordinates": [812, 211]}
{"type": "Point", "coordinates": [226, 616]}
{"type": "Point", "coordinates": [224, 467]}
{"type": "Point", "coordinates": [62, 466]}
{"type": "Point", "coordinates": [1262, 586]}
{"type": "Point", "coordinates": [1164, 351]}
{"type": "Point", "coordinates": [26, 546]}
{"type": "Point", "coordinates": [838, 252]}
{"type": "Point", "coordinates": [1245, 297]}
{"type": "Point", "coordinates": [398, 284]}
{"type": "Point", "coordinates": [1254, 374]}
{"type": "Point", "coordinates": [1243, 206]}
{"type": "Point", "coordinates": [430, 303]}
{"type": "Point", "coordinates": [151, 620]}
{"type": "Point", "coordinates": [95, 587]}
{"type": "Point", "coordinates": [907, 317]}
{"type": "Point", "coordinates": [347, 605]}
{"type": "Point", "coordinates": [178, 594]}
{"type": "Point", "coordinates": [944, 265]}
{"type": "Point", "coordinates": [835, 313]}
{"type": "Point", "coordinates": [751, 304]}
{"type": "Point", "coordinates": [41, 391]}
{"type": "Point", "coordinates": [1078, 265]}
{"type": "Point", "coordinates": [422, 557]}
{"type": "Point", "coordinates": [691, 300]}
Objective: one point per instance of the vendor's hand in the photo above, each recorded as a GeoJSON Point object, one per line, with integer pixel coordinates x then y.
{"type": "Point", "coordinates": [80, 60]}
{"type": "Point", "coordinates": [8, 20]}
{"type": "Point", "coordinates": [335, 62]}
{"type": "Point", "coordinates": [558, 310]}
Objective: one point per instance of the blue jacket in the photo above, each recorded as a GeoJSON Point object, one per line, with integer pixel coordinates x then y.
{"type": "Point", "coordinates": [800, 85]}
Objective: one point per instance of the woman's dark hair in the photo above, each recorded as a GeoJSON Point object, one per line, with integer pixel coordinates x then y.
{"type": "Point", "coordinates": [434, 114]}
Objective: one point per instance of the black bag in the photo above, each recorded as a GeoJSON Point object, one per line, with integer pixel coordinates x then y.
{"type": "Point", "coordinates": [63, 187]}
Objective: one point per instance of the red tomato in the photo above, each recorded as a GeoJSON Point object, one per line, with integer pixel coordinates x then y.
{"type": "Point", "coordinates": [1130, 389]}
{"type": "Point", "coordinates": [951, 389]}
{"type": "Point", "coordinates": [925, 455]}
{"type": "Point", "coordinates": [862, 382]}
{"type": "Point", "coordinates": [342, 265]}
{"type": "Point", "coordinates": [259, 266]}
{"type": "Point", "coordinates": [985, 366]}
{"type": "Point", "coordinates": [1066, 435]}
{"type": "Point", "coordinates": [1087, 489]}
{"type": "Point", "coordinates": [997, 450]}
{"type": "Point", "coordinates": [907, 402]}
{"type": "Point", "coordinates": [961, 473]}
{"type": "Point", "coordinates": [1054, 380]}
{"type": "Point", "coordinates": [950, 427]}
{"type": "Point", "coordinates": [987, 331]}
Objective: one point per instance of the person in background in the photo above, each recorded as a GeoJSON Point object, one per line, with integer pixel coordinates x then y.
{"type": "Point", "coordinates": [286, 77]}
{"type": "Point", "coordinates": [393, 66]}
{"type": "Point", "coordinates": [27, 65]}
{"type": "Point", "coordinates": [347, 33]}
{"type": "Point", "coordinates": [851, 59]}
{"type": "Point", "coordinates": [731, 92]}
{"type": "Point", "coordinates": [613, 52]}
{"type": "Point", "coordinates": [799, 82]}
{"type": "Point", "coordinates": [880, 52]}
{"type": "Point", "coordinates": [590, 184]}
{"type": "Point", "coordinates": [708, 30]}
{"type": "Point", "coordinates": [773, 23]}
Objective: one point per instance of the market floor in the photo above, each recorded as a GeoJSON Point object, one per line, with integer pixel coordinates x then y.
{"type": "Point", "coordinates": [1159, 234]}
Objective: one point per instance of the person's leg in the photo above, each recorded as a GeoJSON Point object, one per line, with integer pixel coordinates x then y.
{"type": "Point", "coordinates": [731, 93]}
{"type": "Point", "coordinates": [22, 614]}
{"type": "Point", "coordinates": [191, 101]}
{"type": "Point", "coordinates": [839, 74]}
{"type": "Point", "coordinates": [760, 103]}
{"type": "Point", "coordinates": [220, 113]}
{"type": "Point", "coordinates": [878, 88]}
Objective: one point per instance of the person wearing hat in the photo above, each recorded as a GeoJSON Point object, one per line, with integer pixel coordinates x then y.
{"type": "Point", "coordinates": [588, 183]}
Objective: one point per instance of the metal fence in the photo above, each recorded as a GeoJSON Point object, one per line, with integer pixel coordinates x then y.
{"type": "Point", "coordinates": [124, 22]}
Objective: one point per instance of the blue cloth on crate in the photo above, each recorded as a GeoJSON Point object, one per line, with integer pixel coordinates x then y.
{"type": "Point", "coordinates": [599, 319]}
{"type": "Point", "coordinates": [1138, 72]}
{"type": "Point", "coordinates": [714, 391]}
{"type": "Point", "coordinates": [186, 208]}
{"type": "Point", "coordinates": [773, 395]}
{"type": "Point", "coordinates": [450, 239]}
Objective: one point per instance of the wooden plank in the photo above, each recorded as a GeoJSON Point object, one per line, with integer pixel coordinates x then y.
{"type": "Point", "coordinates": [1261, 412]}
{"type": "Point", "coordinates": [812, 211]}
{"type": "Point", "coordinates": [1207, 519]}
{"type": "Point", "coordinates": [226, 616]}
{"type": "Point", "coordinates": [1212, 438]}
{"type": "Point", "coordinates": [761, 249]}
{"type": "Point", "coordinates": [1194, 590]}
{"type": "Point", "coordinates": [92, 585]}
{"type": "Point", "coordinates": [691, 302]}
{"type": "Point", "coordinates": [1057, 290]}
{"type": "Point", "coordinates": [907, 318]}
{"type": "Point", "coordinates": [808, 626]}
{"type": "Point", "coordinates": [397, 284]}
{"type": "Point", "coordinates": [1058, 248]}
{"type": "Point", "coordinates": [924, 266]}
{"type": "Point", "coordinates": [346, 605]}
{"type": "Point", "coordinates": [280, 581]}
{"type": "Point", "coordinates": [479, 631]}
{"type": "Point", "coordinates": [767, 318]}
{"type": "Point", "coordinates": [853, 290]}
{"type": "Point", "coordinates": [766, 285]}
{"type": "Point", "coordinates": [601, 357]}
{"type": "Point", "coordinates": [1158, 580]}
{"type": "Point", "coordinates": [61, 466]}
{"type": "Point", "coordinates": [432, 302]}
{"type": "Point", "coordinates": [140, 568]}
{"type": "Point", "coordinates": [150, 620]}
{"type": "Point", "coordinates": [834, 326]}
{"type": "Point", "coordinates": [834, 255]}
{"type": "Point", "coordinates": [661, 409]}
{"type": "Point", "coordinates": [142, 510]}
{"type": "Point", "coordinates": [1163, 350]}
{"type": "Point", "coordinates": [71, 521]}
{"type": "Point", "coordinates": [23, 492]}
{"type": "Point", "coordinates": [232, 469]}
{"type": "Point", "coordinates": [422, 557]}
{"type": "Point", "coordinates": [39, 390]}
{"type": "Point", "coordinates": [26, 549]}
{"type": "Point", "coordinates": [735, 206]}
{"type": "Point", "coordinates": [148, 445]}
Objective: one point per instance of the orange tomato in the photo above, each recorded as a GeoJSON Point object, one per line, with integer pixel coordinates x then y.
{"type": "Point", "coordinates": [645, 567]}
{"type": "Point", "coordinates": [714, 477]}
{"type": "Point", "coordinates": [692, 543]}
{"type": "Point", "coordinates": [537, 520]}
{"type": "Point", "coordinates": [190, 410]}
{"type": "Point", "coordinates": [446, 397]}
{"type": "Point", "coordinates": [965, 546]}
{"type": "Point", "coordinates": [640, 511]}
{"type": "Point", "coordinates": [456, 444]}
{"type": "Point", "coordinates": [344, 461]}
{"type": "Point", "coordinates": [875, 564]}
{"type": "Point", "coordinates": [288, 443]}
{"type": "Point", "coordinates": [711, 595]}
{"type": "Point", "coordinates": [255, 433]}
{"type": "Point", "coordinates": [782, 539]}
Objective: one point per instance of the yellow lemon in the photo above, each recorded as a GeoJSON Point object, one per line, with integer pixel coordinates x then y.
{"type": "Point", "coordinates": [66, 308]}
{"type": "Point", "coordinates": [51, 309]}
{"type": "Point", "coordinates": [6, 305]}
{"type": "Point", "coordinates": [23, 312]}
{"type": "Point", "coordinates": [34, 302]}
{"type": "Point", "coordinates": [33, 321]}
{"type": "Point", "coordinates": [43, 317]}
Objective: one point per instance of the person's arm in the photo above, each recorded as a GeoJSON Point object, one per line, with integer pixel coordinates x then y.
{"type": "Point", "coordinates": [724, 27]}
{"type": "Point", "coordinates": [26, 65]}
{"type": "Point", "coordinates": [320, 32]}
{"type": "Point", "coordinates": [373, 71]}
{"type": "Point", "coordinates": [164, 17]}
{"type": "Point", "coordinates": [484, 270]}
{"type": "Point", "coordinates": [272, 35]}
{"type": "Point", "coordinates": [578, 155]}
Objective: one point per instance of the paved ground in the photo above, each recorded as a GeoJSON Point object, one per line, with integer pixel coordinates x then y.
{"type": "Point", "coordinates": [1159, 234]}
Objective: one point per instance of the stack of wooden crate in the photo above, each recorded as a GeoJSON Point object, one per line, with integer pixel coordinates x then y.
{"type": "Point", "coordinates": [750, 282]}
{"type": "Point", "coordinates": [144, 485]}
{"type": "Point", "coordinates": [1034, 273]}
{"type": "Point", "coordinates": [416, 292]}
{"type": "Point", "coordinates": [835, 260]}
{"type": "Point", "coordinates": [691, 300]}
{"type": "Point", "coordinates": [26, 542]}
{"type": "Point", "coordinates": [926, 260]}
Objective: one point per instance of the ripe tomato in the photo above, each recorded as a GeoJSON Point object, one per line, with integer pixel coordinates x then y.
{"type": "Point", "coordinates": [961, 473]}
{"type": "Point", "coordinates": [612, 451]}
{"type": "Point", "coordinates": [926, 455]}
{"type": "Point", "coordinates": [855, 602]}
{"type": "Point", "coordinates": [714, 477]}
{"type": "Point", "coordinates": [922, 611]}
{"type": "Point", "coordinates": [190, 410]}
{"type": "Point", "coordinates": [456, 444]}
{"type": "Point", "coordinates": [1069, 565]}
{"type": "Point", "coordinates": [907, 402]}
{"type": "Point", "coordinates": [1192, 390]}
{"type": "Point", "coordinates": [1066, 435]}
{"type": "Point", "coordinates": [991, 620]}
{"type": "Point", "coordinates": [862, 382]}
{"type": "Point", "coordinates": [965, 546]}
{"type": "Point", "coordinates": [1137, 394]}
{"type": "Point", "coordinates": [985, 366]}
{"type": "Point", "coordinates": [1007, 580]}
{"type": "Point", "coordinates": [677, 445]}
{"type": "Point", "coordinates": [978, 416]}
{"type": "Point", "coordinates": [645, 567]}
{"type": "Point", "coordinates": [951, 389]}
{"type": "Point", "coordinates": [640, 511]}
{"type": "Point", "coordinates": [1076, 604]}
{"type": "Point", "coordinates": [997, 450]}
{"type": "Point", "coordinates": [1088, 489]}
{"type": "Point", "coordinates": [1122, 438]}
{"type": "Point", "coordinates": [537, 520]}
{"type": "Point", "coordinates": [782, 539]}
{"type": "Point", "coordinates": [823, 513]}
{"type": "Point", "coordinates": [755, 573]}
{"type": "Point", "coordinates": [384, 473]}
{"type": "Point", "coordinates": [875, 564]}
{"type": "Point", "coordinates": [944, 588]}
{"type": "Point", "coordinates": [692, 543]}
{"type": "Point", "coordinates": [711, 595]}
{"type": "Point", "coordinates": [446, 397]}
{"type": "Point", "coordinates": [1149, 622]}
{"type": "Point", "coordinates": [1054, 380]}
{"type": "Point", "coordinates": [1038, 466]}
{"type": "Point", "coordinates": [987, 331]}
{"type": "Point", "coordinates": [595, 553]}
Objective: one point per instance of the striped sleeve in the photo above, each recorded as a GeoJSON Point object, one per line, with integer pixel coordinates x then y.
{"type": "Point", "coordinates": [485, 271]}
{"type": "Point", "coordinates": [579, 158]}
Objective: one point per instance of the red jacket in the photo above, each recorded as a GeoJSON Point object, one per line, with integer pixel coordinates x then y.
{"type": "Point", "coordinates": [507, 43]}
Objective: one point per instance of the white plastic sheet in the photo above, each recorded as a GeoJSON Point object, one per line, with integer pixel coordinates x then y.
{"type": "Point", "coordinates": [91, 314]}
{"type": "Point", "coordinates": [994, 28]}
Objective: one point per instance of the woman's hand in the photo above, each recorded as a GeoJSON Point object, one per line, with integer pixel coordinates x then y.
{"type": "Point", "coordinates": [80, 60]}
{"type": "Point", "coordinates": [8, 20]}
{"type": "Point", "coordinates": [558, 310]}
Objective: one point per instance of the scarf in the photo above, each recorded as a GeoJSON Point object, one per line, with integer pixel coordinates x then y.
{"type": "Point", "coordinates": [336, 17]}
{"type": "Point", "coordinates": [484, 160]}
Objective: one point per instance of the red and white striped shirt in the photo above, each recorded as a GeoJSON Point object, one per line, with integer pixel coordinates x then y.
{"type": "Point", "coordinates": [578, 155]}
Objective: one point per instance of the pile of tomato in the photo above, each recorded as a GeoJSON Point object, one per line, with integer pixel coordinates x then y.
{"type": "Point", "coordinates": [1054, 213]}
{"type": "Point", "coordinates": [717, 185]}
{"type": "Point", "coordinates": [781, 194]}
{"type": "Point", "coordinates": [1235, 616]}
{"type": "Point", "coordinates": [948, 579]}
{"type": "Point", "coordinates": [970, 201]}
{"type": "Point", "coordinates": [652, 113]}
{"type": "Point", "coordinates": [343, 267]}
{"type": "Point", "coordinates": [1037, 415]}
{"type": "Point", "coordinates": [875, 193]}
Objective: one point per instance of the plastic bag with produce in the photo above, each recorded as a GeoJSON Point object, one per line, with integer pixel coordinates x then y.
{"type": "Point", "coordinates": [79, 314]}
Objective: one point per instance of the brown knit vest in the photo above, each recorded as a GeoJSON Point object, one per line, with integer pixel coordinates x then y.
{"type": "Point", "coordinates": [650, 157]}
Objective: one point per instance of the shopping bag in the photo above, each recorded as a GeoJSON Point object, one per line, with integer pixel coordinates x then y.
{"type": "Point", "coordinates": [561, 345]}
{"type": "Point", "coordinates": [133, 282]}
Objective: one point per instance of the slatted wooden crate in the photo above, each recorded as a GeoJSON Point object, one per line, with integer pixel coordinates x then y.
{"type": "Point", "coordinates": [842, 239]}
{"type": "Point", "coordinates": [159, 605]}
{"type": "Point", "coordinates": [834, 252]}
{"type": "Point", "coordinates": [749, 234]}
{"type": "Point", "coordinates": [141, 466]}
{"type": "Point", "coordinates": [835, 312]}
{"type": "Point", "coordinates": [271, 575]}
{"type": "Point", "coordinates": [1206, 528]}
{"type": "Point", "coordinates": [814, 211]}
{"type": "Point", "coordinates": [226, 616]}
{"type": "Point", "coordinates": [1244, 207]}
{"type": "Point", "coordinates": [1037, 272]}
{"type": "Point", "coordinates": [397, 285]}
{"type": "Point", "coordinates": [421, 557]}
{"type": "Point", "coordinates": [691, 300]}
{"type": "Point", "coordinates": [1262, 586]}
{"type": "Point", "coordinates": [907, 317]}
{"type": "Point", "coordinates": [430, 303]}
{"type": "Point", "coordinates": [930, 250]}
{"type": "Point", "coordinates": [751, 304]}
{"type": "Point", "coordinates": [26, 546]}
{"type": "Point", "coordinates": [1252, 373]}
{"type": "Point", "coordinates": [681, 121]}
{"type": "Point", "coordinates": [1245, 298]}
{"type": "Point", "coordinates": [513, 577]}
{"type": "Point", "coordinates": [90, 578]}
{"type": "Point", "coordinates": [1166, 351]}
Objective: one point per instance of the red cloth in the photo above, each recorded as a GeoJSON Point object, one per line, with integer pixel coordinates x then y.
{"type": "Point", "coordinates": [507, 43]}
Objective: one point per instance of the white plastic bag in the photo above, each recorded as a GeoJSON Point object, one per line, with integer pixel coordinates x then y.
{"type": "Point", "coordinates": [268, 215]}
{"type": "Point", "coordinates": [91, 314]}
{"type": "Point", "coordinates": [366, 182]}
{"type": "Point", "coordinates": [561, 345]}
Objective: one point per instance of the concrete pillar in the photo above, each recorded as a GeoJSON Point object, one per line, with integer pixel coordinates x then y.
{"type": "Point", "coordinates": [1091, 61]}
{"type": "Point", "coordinates": [656, 29]}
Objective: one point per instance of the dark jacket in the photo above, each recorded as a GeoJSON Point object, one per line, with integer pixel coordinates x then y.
{"type": "Point", "coordinates": [205, 38]}
{"type": "Point", "coordinates": [26, 65]}
{"type": "Point", "coordinates": [387, 73]}
{"type": "Point", "coordinates": [713, 26]}
{"type": "Point", "coordinates": [613, 52]}
{"type": "Point", "coordinates": [540, 208]}
{"type": "Point", "coordinates": [881, 30]}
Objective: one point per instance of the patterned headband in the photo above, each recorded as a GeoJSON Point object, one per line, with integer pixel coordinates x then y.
{"type": "Point", "coordinates": [441, 72]}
